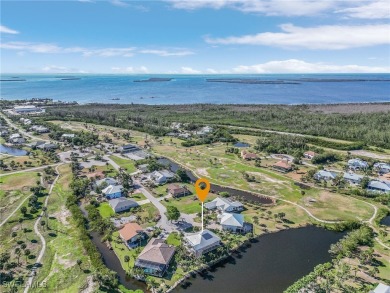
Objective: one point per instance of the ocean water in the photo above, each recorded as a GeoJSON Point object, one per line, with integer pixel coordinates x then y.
{"type": "Point", "coordinates": [186, 89]}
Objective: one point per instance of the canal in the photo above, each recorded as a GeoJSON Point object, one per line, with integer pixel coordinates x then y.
{"type": "Point", "coordinates": [12, 151]}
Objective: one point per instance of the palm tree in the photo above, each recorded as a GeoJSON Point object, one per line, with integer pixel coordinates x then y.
{"type": "Point", "coordinates": [127, 259]}
{"type": "Point", "coordinates": [18, 253]}
{"type": "Point", "coordinates": [27, 252]}
{"type": "Point", "coordinates": [43, 223]}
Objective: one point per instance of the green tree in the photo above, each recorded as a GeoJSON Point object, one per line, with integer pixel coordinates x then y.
{"type": "Point", "coordinates": [173, 213]}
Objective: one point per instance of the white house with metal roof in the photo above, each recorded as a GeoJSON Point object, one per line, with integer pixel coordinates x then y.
{"type": "Point", "coordinates": [325, 175]}
{"type": "Point", "coordinates": [113, 191]}
{"type": "Point", "coordinates": [357, 164]}
{"type": "Point", "coordinates": [234, 223]}
{"type": "Point", "coordinates": [383, 168]}
{"type": "Point", "coordinates": [352, 177]}
{"type": "Point", "coordinates": [161, 176]}
{"type": "Point", "coordinates": [224, 205]}
{"type": "Point", "coordinates": [202, 242]}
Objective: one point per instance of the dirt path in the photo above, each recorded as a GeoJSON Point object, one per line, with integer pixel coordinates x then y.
{"type": "Point", "coordinates": [36, 230]}
{"type": "Point", "coordinates": [17, 208]}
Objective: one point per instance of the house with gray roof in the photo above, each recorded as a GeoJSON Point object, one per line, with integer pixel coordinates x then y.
{"type": "Point", "coordinates": [357, 164]}
{"type": "Point", "coordinates": [202, 242]}
{"type": "Point", "coordinates": [122, 204]}
{"type": "Point", "coordinates": [128, 148]}
{"type": "Point", "coordinates": [379, 186]}
{"type": "Point", "coordinates": [352, 178]}
{"type": "Point", "coordinates": [325, 175]}
{"type": "Point", "coordinates": [234, 223]}
{"type": "Point", "coordinates": [224, 205]}
{"type": "Point", "coordinates": [161, 176]}
{"type": "Point", "coordinates": [106, 181]}
{"type": "Point", "coordinates": [382, 168]}
{"type": "Point", "coordinates": [47, 146]}
{"type": "Point", "coordinates": [155, 257]}
{"type": "Point", "coordinates": [381, 288]}
{"type": "Point", "coordinates": [113, 191]}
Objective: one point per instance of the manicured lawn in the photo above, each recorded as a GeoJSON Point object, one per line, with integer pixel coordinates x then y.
{"type": "Point", "coordinates": [105, 210]}
{"type": "Point", "coordinates": [187, 204]}
{"type": "Point", "coordinates": [138, 196]}
{"type": "Point", "coordinates": [174, 239]}
{"type": "Point", "coordinates": [124, 163]}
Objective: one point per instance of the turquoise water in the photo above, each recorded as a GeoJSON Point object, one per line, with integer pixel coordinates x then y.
{"type": "Point", "coordinates": [185, 89]}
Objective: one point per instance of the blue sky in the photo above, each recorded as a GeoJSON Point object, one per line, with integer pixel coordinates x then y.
{"type": "Point", "coordinates": [199, 36]}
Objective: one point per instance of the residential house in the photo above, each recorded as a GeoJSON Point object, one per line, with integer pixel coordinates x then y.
{"type": "Point", "coordinates": [122, 204]}
{"type": "Point", "coordinates": [177, 191]}
{"type": "Point", "coordinates": [282, 166]}
{"type": "Point", "coordinates": [67, 136]}
{"type": "Point", "coordinates": [143, 168]}
{"type": "Point", "coordinates": [39, 129]}
{"type": "Point", "coordinates": [128, 148]}
{"type": "Point", "coordinates": [113, 191]}
{"type": "Point", "coordinates": [309, 155]}
{"type": "Point", "coordinates": [224, 205]}
{"type": "Point", "coordinates": [379, 186]}
{"type": "Point", "coordinates": [234, 223]}
{"type": "Point", "coordinates": [47, 146]}
{"type": "Point", "coordinates": [155, 257]}
{"type": "Point", "coordinates": [106, 182]}
{"type": "Point", "coordinates": [352, 177]}
{"type": "Point", "coordinates": [176, 125]}
{"type": "Point", "coordinates": [15, 135]}
{"type": "Point", "coordinates": [381, 288]}
{"type": "Point", "coordinates": [184, 135]}
{"type": "Point", "coordinates": [161, 176]}
{"type": "Point", "coordinates": [18, 140]}
{"type": "Point", "coordinates": [357, 164]}
{"type": "Point", "coordinates": [248, 156]}
{"type": "Point", "coordinates": [3, 133]}
{"type": "Point", "coordinates": [132, 234]}
{"type": "Point", "coordinates": [25, 121]}
{"type": "Point", "coordinates": [382, 168]}
{"type": "Point", "coordinates": [325, 175]}
{"type": "Point", "coordinates": [202, 242]}
{"type": "Point", "coordinates": [204, 131]}
{"type": "Point", "coordinates": [35, 144]}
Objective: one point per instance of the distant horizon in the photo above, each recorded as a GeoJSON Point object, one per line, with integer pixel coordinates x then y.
{"type": "Point", "coordinates": [193, 74]}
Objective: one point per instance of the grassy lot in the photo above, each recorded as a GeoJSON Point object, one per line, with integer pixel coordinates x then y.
{"type": "Point", "coordinates": [161, 190]}
{"type": "Point", "coordinates": [138, 196]}
{"type": "Point", "coordinates": [187, 204]}
{"type": "Point", "coordinates": [36, 158]}
{"type": "Point", "coordinates": [60, 269]}
{"type": "Point", "coordinates": [14, 189]}
{"type": "Point", "coordinates": [105, 210]}
{"type": "Point", "coordinates": [127, 164]}
{"type": "Point", "coordinates": [174, 239]}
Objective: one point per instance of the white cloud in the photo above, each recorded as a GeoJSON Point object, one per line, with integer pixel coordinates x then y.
{"type": "Point", "coordinates": [369, 10]}
{"type": "Point", "coordinates": [328, 37]}
{"type": "Point", "coordinates": [300, 66]}
{"type": "Point", "coordinates": [6, 30]}
{"type": "Point", "coordinates": [211, 71]}
{"type": "Point", "coordinates": [130, 69]}
{"type": "Point", "coordinates": [119, 3]}
{"type": "Point", "coordinates": [268, 7]}
{"type": "Point", "coordinates": [189, 70]}
{"type": "Point", "coordinates": [61, 69]}
{"type": "Point", "coordinates": [164, 53]}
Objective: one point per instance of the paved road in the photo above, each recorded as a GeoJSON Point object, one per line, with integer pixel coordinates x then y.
{"type": "Point", "coordinates": [43, 241]}
{"type": "Point", "coordinates": [22, 131]}
{"type": "Point", "coordinates": [30, 169]}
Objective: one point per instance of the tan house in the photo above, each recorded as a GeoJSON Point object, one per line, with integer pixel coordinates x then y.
{"type": "Point", "coordinates": [282, 166]}
{"type": "Point", "coordinates": [177, 191]}
{"type": "Point", "coordinates": [248, 156]}
{"type": "Point", "coordinates": [132, 234]}
{"type": "Point", "coordinates": [309, 155]}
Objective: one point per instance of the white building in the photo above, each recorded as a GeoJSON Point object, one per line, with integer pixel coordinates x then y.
{"type": "Point", "coordinates": [379, 186]}
{"type": "Point", "coordinates": [161, 176]}
{"type": "Point", "coordinates": [234, 223]}
{"type": "Point", "coordinates": [202, 242]}
{"type": "Point", "coordinates": [224, 205]}
{"type": "Point", "coordinates": [381, 288]}
{"type": "Point", "coordinates": [383, 168]}
{"type": "Point", "coordinates": [357, 164]}
{"type": "Point", "coordinates": [27, 109]}
{"type": "Point", "coordinates": [325, 175]}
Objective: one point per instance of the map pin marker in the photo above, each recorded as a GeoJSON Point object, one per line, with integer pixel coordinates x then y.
{"type": "Point", "coordinates": [202, 187]}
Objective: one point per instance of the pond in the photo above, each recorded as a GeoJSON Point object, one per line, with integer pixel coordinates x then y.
{"type": "Point", "coordinates": [273, 263]}
{"type": "Point", "coordinates": [217, 188]}
{"type": "Point", "coordinates": [241, 145]}
{"type": "Point", "coordinates": [12, 151]}
{"type": "Point", "coordinates": [386, 221]}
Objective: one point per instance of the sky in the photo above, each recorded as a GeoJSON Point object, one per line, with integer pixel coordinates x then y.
{"type": "Point", "coordinates": [195, 37]}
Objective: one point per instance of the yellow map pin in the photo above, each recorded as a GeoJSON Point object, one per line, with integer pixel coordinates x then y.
{"type": "Point", "coordinates": [202, 187]}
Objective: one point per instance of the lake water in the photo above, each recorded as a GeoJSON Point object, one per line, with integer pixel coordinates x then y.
{"type": "Point", "coordinates": [12, 151]}
{"type": "Point", "coordinates": [270, 265]}
{"type": "Point", "coordinates": [386, 221]}
{"type": "Point", "coordinates": [187, 89]}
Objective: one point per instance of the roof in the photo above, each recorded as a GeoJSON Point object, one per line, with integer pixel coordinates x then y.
{"type": "Point", "coordinates": [110, 189]}
{"type": "Point", "coordinates": [382, 185]}
{"type": "Point", "coordinates": [325, 173]}
{"type": "Point", "coordinates": [121, 202]}
{"type": "Point", "coordinates": [175, 188]}
{"type": "Point", "coordinates": [157, 251]}
{"type": "Point", "coordinates": [352, 176]}
{"type": "Point", "coordinates": [381, 288]}
{"type": "Point", "coordinates": [249, 156]}
{"type": "Point", "coordinates": [310, 153]}
{"type": "Point", "coordinates": [202, 239]}
{"type": "Point", "coordinates": [229, 219]}
{"type": "Point", "coordinates": [223, 203]}
{"type": "Point", "coordinates": [357, 162]}
{"type": "Point", "coordinates": [68, 135]}
{"type": "Point", "coordinates": [130, 230]}
{"type": "Point", "coordinates": [283, 164]}
{"type": "Point", "coordinates": [108, 180]}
